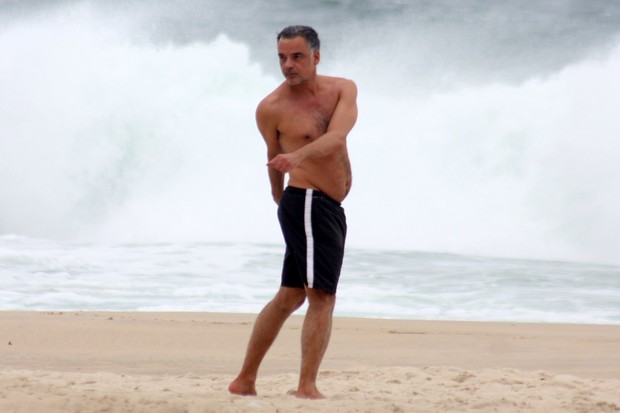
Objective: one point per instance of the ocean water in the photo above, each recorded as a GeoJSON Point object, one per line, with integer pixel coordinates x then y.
{"type": "Point", "coordinates": [132, 176]}
{"type": "Point", "coordinates": [226, 277]}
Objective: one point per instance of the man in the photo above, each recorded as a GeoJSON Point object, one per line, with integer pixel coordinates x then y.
{"type": "Point", "coordinates": [304, 122]}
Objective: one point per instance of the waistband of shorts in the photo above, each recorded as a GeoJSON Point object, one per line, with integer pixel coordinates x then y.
{"type": "Point", "coordinates": [315, 193]}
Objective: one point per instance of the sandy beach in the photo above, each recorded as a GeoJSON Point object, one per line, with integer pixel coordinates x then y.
{"type": "Point", "coordinates": [182, 362]}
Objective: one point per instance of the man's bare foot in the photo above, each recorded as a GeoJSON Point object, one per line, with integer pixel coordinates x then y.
{"type": "Point", "coordinates": [312, 394]}
{"type": "Point", "coordinates": [242, 388]}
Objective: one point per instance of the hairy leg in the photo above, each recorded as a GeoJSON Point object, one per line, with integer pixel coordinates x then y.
{"type": "Point", "coordinates": [266, 329]}
{"type": "Point", "coordinates": [315, 336]}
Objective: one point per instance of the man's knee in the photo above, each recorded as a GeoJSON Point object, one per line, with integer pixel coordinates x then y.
{"type": "Point", "coordinates": [317, 297]}
{"type": "Point", "coordinates": [290, 299]}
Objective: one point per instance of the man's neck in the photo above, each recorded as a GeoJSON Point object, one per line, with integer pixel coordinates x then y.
{"type": "Point", "coordinates": [308, 87]}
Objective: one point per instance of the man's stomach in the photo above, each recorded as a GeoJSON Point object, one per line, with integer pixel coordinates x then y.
{"type": "Point", "coordinates": [334, 184]}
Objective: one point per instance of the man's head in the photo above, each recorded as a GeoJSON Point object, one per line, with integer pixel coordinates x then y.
{"type": "Point", "coordinates": [298, 51]}
{"type": "Point", "coordinates": [308, 33]}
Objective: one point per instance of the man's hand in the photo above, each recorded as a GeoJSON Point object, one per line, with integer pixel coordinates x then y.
{"type": "Point", "coordinates": [285, 162]}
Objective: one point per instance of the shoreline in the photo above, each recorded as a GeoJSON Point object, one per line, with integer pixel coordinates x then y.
{"type": "Point", "coordinates": [370, 365]}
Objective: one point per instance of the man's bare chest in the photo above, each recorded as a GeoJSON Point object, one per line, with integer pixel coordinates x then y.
{"type": "Point", "coordinates": [305, 121]}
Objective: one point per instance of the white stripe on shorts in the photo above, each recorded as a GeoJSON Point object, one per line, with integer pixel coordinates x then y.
{"type": "Point", "coordinates": [309, 239]}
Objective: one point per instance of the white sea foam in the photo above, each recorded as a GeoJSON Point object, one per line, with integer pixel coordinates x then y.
{"type": "Point", "coordinates": [45, 275]}
{"type": "Point", "coordinates": [109, 137]}
{"type": "Point", "coordinates": [136, 157]}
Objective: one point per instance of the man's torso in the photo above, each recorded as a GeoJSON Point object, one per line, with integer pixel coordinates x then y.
{"type": "Point", "coordinates": [303, 119]}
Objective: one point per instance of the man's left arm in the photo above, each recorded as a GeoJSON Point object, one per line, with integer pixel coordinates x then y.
{"type": "Point", "coordinates": [333, 140]}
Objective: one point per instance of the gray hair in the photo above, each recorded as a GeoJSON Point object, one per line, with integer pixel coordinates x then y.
{"type": "Point", "coordinates": [307, 32]}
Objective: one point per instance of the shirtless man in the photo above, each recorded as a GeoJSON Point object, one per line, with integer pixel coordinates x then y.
{"type": "Point", "coordinates": [304, 122]}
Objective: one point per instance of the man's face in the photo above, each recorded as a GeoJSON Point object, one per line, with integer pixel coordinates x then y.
{"type": "Point", "coordinates": [297, 61]}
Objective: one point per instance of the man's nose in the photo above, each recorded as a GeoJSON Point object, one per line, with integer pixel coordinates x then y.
{"type": "Point", "coordinates": [288, 63]}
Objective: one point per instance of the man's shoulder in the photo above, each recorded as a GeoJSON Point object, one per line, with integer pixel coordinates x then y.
{"type": "Point", "coordinates": [342, 86]}
{"type": "Point", "coordinates": [267, 105]}
{"type": "Point", "coordinates": [272, 99]}
{"type": "Point", "coordinates": [336, 81]}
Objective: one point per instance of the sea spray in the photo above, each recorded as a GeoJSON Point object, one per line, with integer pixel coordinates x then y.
{"type": "Point", "coordinates": [127, 141]}
{"type": "Point", "coordinates": [111, 140]}
{"type": "Point", "coordinates": [108, 136]}
{"type": "Point", "coordinates": [513, 170]}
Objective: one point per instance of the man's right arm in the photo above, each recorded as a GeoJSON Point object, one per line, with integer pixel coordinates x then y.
{"type": "Point", "coordinates": [334, 139]}
{"type": "Point", "coordinates": [266, 122]}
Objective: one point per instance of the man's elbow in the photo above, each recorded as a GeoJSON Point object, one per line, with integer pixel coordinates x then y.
{"type": "Point", "coordinates": [340, 140]}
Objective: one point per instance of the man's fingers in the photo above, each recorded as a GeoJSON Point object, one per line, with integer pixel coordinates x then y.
{"type": "Point", "coordinates": [280, 163]}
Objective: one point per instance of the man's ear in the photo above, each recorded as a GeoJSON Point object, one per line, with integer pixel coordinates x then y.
{"type": "Point", "coordinates": [317, 57]}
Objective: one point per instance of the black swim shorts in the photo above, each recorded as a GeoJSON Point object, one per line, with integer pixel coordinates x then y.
{"type": "Point", "coordinates": [314, 228]}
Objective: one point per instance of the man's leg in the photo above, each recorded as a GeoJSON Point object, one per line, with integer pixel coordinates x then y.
{"type": "Point", "coordinates": [314, 339]}
{"type": "Point", "coordinates": [266, 328]}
